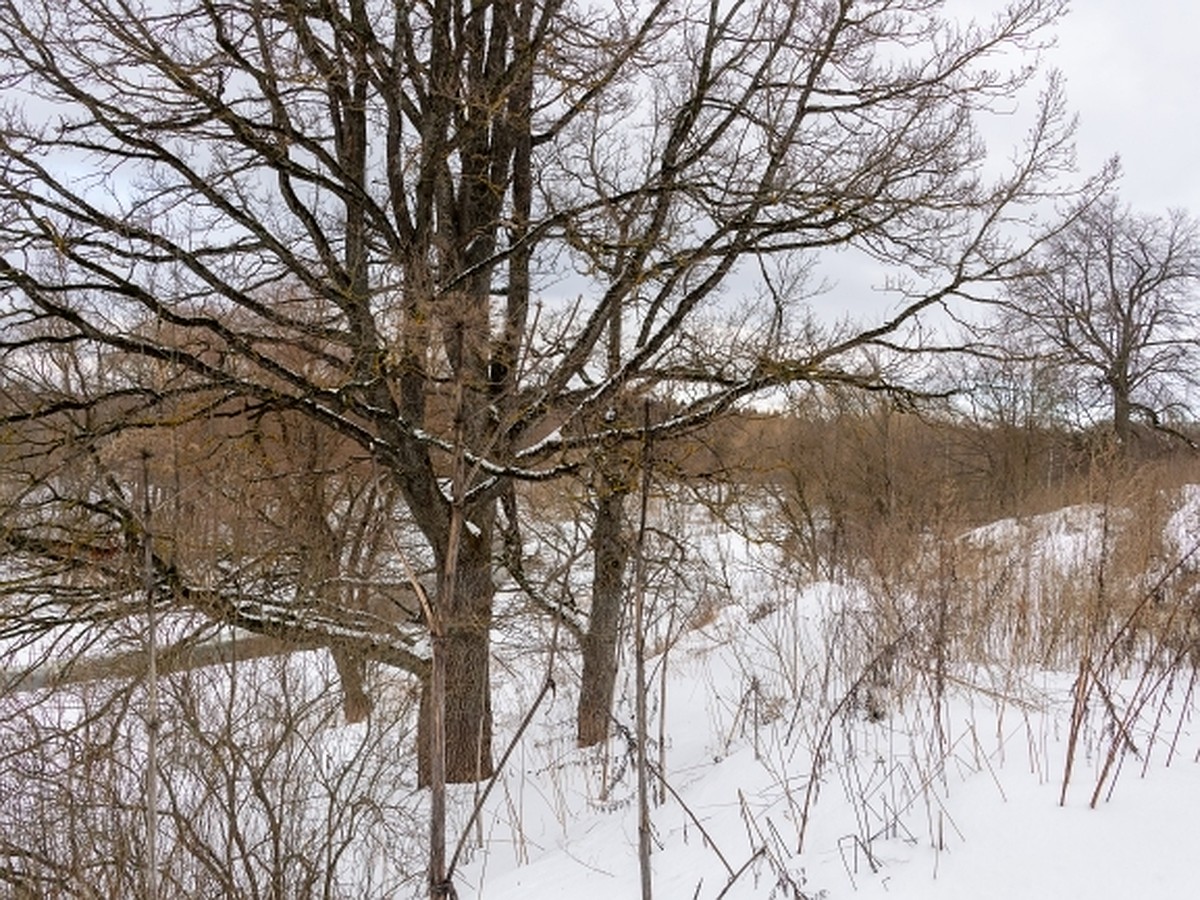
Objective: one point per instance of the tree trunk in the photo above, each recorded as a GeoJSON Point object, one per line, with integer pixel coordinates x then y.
{"type": "Point", "coordinates": [1122, 416]}
{"type": "Point", "coordinates": [352, 669]}
{"type": "Point", "coordinates": [610, 553]}
{"type": "Point", "coordinates": [465, 644]}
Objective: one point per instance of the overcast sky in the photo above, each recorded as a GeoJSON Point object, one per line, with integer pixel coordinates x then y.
{"type": "Point", "coordinates": [1131, 71]}
{"type": "Point", "coordinates": [1133, 79]}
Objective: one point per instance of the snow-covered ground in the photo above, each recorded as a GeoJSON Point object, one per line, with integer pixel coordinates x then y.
{"type": "Point", "coordinates": [786, 720]}
{"type": "Point", "coordinates": [856, 738]}
{"type": "Point", "coordinates": [974, 813]}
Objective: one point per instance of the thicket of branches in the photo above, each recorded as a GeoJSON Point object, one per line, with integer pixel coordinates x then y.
{"type": "Point", "coordinates": [332, 289]}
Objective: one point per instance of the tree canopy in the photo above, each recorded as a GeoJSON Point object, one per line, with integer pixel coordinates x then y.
{"type": "Point", "coordinates": [459, 236]}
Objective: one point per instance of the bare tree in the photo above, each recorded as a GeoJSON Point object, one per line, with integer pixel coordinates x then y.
{"type": "Point", "coordinates": [1112, 299]}
{"type": "Point", "coordinates": [358, 211]}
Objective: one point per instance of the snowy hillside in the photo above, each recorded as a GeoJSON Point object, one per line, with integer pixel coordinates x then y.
{"type": "Point", "coordinates": [789, 718]}
{"type": "Point", "coordinates": [1009, 715]}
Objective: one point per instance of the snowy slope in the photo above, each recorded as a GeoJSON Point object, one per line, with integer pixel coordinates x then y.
{"type": "Point", "coordinates": [842, 739]}
{"type": "Point", "coordinates": [919, 788]}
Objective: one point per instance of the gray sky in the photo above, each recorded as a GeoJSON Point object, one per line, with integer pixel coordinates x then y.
{"type": "Point", "coordinates": [1133, 79]}
{"type": "Point", "coordinates": [1132, 73]}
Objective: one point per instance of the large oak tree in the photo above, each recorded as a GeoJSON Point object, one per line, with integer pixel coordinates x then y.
{"type": "Point", "coordinates": [1110, 302]}
{"type": "Point", "coordinates": [463, 235]}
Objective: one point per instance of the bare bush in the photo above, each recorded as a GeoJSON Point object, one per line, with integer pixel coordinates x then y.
{"type": "Point", "coordinates": [262, 793]}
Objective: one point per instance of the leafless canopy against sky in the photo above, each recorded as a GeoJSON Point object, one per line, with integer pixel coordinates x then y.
{"type": "Point", "coordinates": [1130, 72]}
